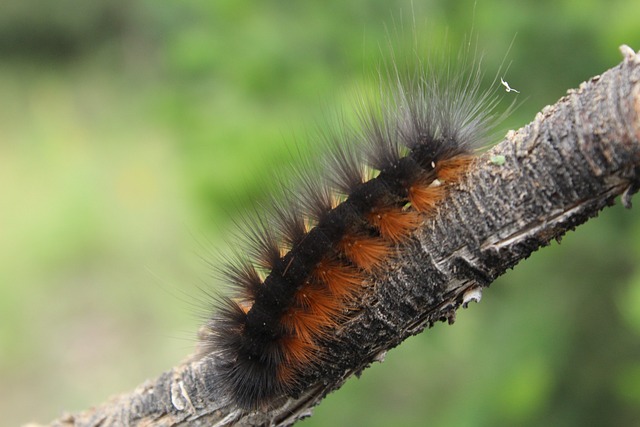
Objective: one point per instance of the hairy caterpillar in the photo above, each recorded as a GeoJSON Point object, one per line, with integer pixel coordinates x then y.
{"type": "Point", "coordinates": [307, 260]}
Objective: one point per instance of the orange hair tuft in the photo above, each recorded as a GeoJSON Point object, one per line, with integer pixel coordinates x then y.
{"type": "Point", "coordinates": [394, 223]}
{"type": "Point", "coordinates": [424, 198]}
{"type": "Point", "coordinates": [364, 251]}
{"type": "Point", "coordinates": [341, 280]}
{"type": "Point", "coordinates": [450, 170]}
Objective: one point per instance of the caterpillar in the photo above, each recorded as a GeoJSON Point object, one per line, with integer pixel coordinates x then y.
{"type": "Point", "coordinates": [306, 260]}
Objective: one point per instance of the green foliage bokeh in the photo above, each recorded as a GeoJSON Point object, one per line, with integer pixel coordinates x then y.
{"type": "Point", "coordinates": [131, 131]}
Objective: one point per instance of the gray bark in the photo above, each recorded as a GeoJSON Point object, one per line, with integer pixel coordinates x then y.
{"type": "Point", "coordinates": [560, 170]}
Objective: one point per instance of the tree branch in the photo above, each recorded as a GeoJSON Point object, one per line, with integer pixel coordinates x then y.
{"type": "Point", "coordinates": [538, 183]}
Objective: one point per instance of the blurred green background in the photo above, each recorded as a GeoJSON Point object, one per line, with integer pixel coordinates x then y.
{"type": "Point", "coordinates": [131, 130]}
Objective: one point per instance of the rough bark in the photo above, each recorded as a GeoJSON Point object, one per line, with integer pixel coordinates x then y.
{"type": "Point", "coordinates": [548, 177]}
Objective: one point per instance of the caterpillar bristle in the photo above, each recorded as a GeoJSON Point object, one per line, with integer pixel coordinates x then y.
{"type": "Point", "coordinates": [345, 169]}
{"type": "Point", "coordinates": [305, 264]}
{"type": "Point", "coordinates": [319, 301]}
{"type": "Point", "coordinates": [342, 280]}
{"type": "Point", "coordinates": [287, 219]}
{"type": "Point", "coordinates": [241, 276]}
{"type": "Point", "coordinates": [315, 195]}
{"type": "Point", "coordinates": [364, 251]}
{"type": "Point", "coordinates": [306, 325]}
{"type": "Point", "coordinates": [394, 224]}
{"type": "Point", "coordinates": [259, 240]}
{"type": "Point", "coordinates": [298, 352]}
{"type": "Point", "coordinates": [424, 197]}
{"type": "Point", "coordinates": [380, 140]}
{"type": "Point", "coordinates": [449, 170]}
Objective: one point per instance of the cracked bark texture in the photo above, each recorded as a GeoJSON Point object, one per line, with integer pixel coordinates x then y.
{"type": "Point", "coordinates": [546, 178]}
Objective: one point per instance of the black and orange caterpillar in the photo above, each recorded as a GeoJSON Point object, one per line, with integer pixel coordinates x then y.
{"type": "Point", "coordinates": [307, 259]}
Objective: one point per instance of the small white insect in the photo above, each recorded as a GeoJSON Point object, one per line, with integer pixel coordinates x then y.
{"type": "Point", "coordinates": [471, 295]}
{"type": "Point", "coordinates": [380, 356]}
{"type": "Point", "coordinates": [508, 88]}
